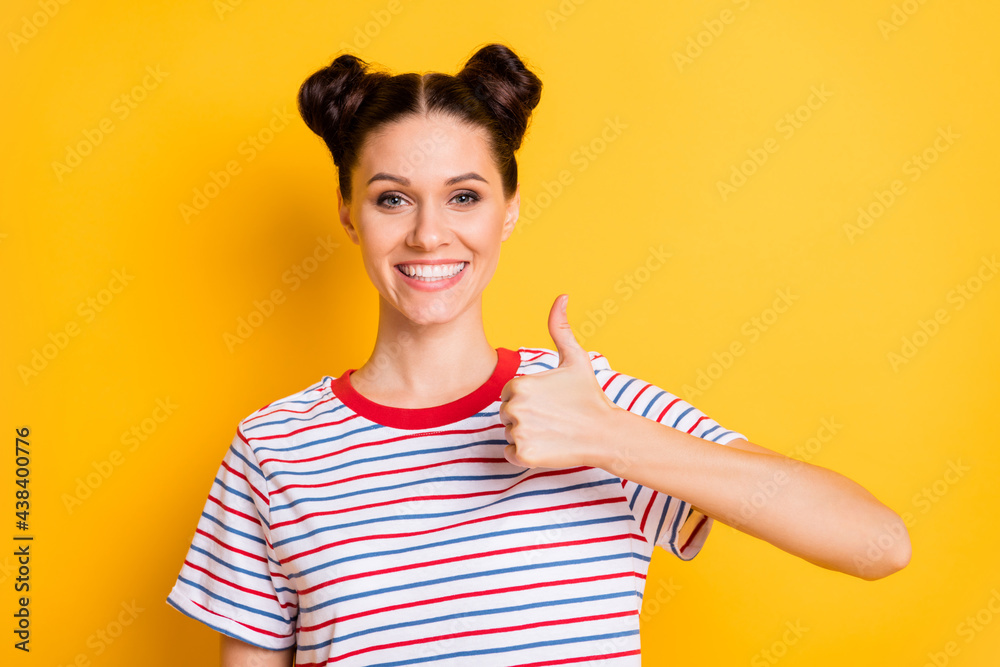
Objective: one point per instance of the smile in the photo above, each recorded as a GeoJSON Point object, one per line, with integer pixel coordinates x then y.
{"type": "Point", "coordinates": [431, 272]}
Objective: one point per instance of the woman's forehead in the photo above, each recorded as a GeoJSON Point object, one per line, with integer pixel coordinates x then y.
{"type": "Point", "coordinates": [418, 148]}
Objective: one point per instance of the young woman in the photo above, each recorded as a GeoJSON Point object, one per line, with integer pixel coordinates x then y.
{"type": "Point", "coordinates": [449, 502]}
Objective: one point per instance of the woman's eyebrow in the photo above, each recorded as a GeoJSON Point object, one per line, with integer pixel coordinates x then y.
{"type": "Point", "coordinates": [382, 176]}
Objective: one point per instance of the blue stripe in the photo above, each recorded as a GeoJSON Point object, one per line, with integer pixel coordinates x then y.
{"type": "Point", "coordinates": [233, 491]}
{"type": "Point", "coordinates": [650, 404]}
{"type": "Point", "coordinates": [507, 649]}
{"type": "Point", "coordinates": [458, 540]}
{"type": "Point", "coordinates": [371, 427]}
{"type": "Point", "coordinates": [260, 517]}
{"type": "Point", "coordinates": [466, 575]}
{"type": "Point", "coordinates": [298, 397]}
{"type": "Point", "coordinates": [252, 538]}
{"type": "Point", "coordinates": [466, 614]}
{"type": "Point", "coordinates": [396, 455]}
{"type": "Point", "coordinates": [678, 420]}
{"type": "Point", "coordinates": [663, 517]}
{"type": "Point", "coordinates": [278, 589]}
{"type": "Point", "coordinates": [682, 513]}
{"type": "Point", "coordinates": [250, 466]}
{"type": "Point", "coordinates": [249, 573]}
{"type": "Point", "coordinates": [622, 390]}
{"type": "Point", "coordinates": [214, 626]}
{"type": "Point", "coordinates": [537, 492]}
{"type": "Point", "coordinates": [635, 496]}
{"type": "Point", "coordinates": [301, 418]}
{"type": "Point", "coordinates": [244, 607]}
{"type": "Point", "coordinates": [379, 489]}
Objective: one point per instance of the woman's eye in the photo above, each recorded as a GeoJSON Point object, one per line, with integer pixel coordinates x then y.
{"type": "Point", "coordinates": [389, 197]}
{"type": "Point", "coordinates": [470, 197]}
{"type": "Point", "coordinates": [392, 200]}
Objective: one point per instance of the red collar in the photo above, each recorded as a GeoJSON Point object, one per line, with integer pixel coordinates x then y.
{"type": "Point", "coordinates": [508, 361]}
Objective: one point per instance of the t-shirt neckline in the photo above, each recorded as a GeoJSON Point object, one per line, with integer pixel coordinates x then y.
{"type": "Point", "coordinates": [508, 361]}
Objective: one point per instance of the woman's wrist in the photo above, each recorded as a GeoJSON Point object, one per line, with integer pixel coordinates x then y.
{"type": "Point", "coordinates": [611, 438]}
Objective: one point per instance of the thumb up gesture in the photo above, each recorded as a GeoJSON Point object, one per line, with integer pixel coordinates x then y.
{"type": "Point", "coordinates": [561, 417]}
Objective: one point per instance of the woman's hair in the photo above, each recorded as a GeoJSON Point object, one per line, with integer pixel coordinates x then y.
{"type": "Point", "coordinates": [346, 101]}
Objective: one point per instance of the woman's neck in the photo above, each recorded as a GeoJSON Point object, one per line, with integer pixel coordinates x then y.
{"type": "Point", "coordinates": [414, 366]}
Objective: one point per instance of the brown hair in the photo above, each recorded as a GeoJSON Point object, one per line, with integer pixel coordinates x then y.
{"type": "Point", "coordinates": [346, 101]}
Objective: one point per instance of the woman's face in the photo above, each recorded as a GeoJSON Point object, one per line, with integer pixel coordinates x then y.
{"type": "Point", "coordinates": [427, 209]}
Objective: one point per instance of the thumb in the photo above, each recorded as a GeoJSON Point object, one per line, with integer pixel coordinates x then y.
{"type": "Point", "coordinates": [510, 453]}
{"type": "Point", "coordinates": [570, 350]}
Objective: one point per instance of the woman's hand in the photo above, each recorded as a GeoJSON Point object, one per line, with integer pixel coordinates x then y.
{"type": "Point", "coordinates": [557, 418]}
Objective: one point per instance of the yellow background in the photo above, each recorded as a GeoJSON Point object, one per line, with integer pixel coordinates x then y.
{"type": "Point", "coordinates": [893, 76]}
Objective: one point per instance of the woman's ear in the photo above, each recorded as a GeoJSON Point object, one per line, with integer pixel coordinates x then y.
{"type": "Point", "coordinates": [513, 210]}
{"type": "Point", "coordinates": [345, 218]}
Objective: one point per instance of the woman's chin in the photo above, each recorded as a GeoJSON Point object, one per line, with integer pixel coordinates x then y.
{"type": "Point", "coordinates": [429, 318]}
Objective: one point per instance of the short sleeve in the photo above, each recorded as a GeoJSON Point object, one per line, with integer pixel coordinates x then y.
{"type": "Point", "coordinates": [231, 579]}
{"type": "Point", "coordinates": [663, 520]}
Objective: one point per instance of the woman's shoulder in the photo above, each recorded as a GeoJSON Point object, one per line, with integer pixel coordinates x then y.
{"type": "Point", "coordinates": [296, 406]}
{"type": "Point", "coordinates": [538, 359]}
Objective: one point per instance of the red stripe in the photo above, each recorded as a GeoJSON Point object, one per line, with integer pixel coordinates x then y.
{"type": "Point", "coordinates": [245, 625]}
{"type": "Point", "coordinates": [230, 548]}
{"type": "Point", "coordinates": [593, 355]}
{"type": "Point", "coordinates": [374, 443]}
{"type": "Point", "coordinates": [696, 423]}
{"type": "Point", "coordinates": [605, 387]}
{"type": "Point", "coordinates": [649, 506]}
{"type": "Point", "coordinates": [485, 631]}
{"type": "Point", "coordinates": [381, 473]}
{"type": "Point", "coordinates": [566, 661]}
{"type": "Point", "coordinates": [304, 429]}
{"type": "Point", "coordinates": [690, 538]}
{"type": "Point", "coordinates": [669, 405]}
{"type": "Point", "coordinates": [629, 408]}
{"type": "Point", "coordinates": [244, 478]}
{"type": "Point", "coordinates": [540, 354]}
{"type": "Point", "coordinates": [459, 596]}
{"type": "Point", "coordinates": [493, 517]}
{"type": "Point", "coordinates": [232, 511]}
{"type": "Point", "coordinates": [274, 575]}
{"type": "Point", "coordinates": [491, 492]}
{"type": "Point", "coordinates": [294, 412]}
{"type": "Point", "coordinates": [229, 583]}
{"type": "Point", "coordinates": [459, 559]}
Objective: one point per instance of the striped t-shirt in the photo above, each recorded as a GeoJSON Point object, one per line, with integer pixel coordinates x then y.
{"type": "Point", "coordinates": [364, 534]}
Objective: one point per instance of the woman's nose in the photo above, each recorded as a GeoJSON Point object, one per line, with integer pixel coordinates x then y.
{"type": "Point", "coordinates": [430, 229]}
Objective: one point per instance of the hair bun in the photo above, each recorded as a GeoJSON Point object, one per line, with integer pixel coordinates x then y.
{"type": "Point", "coordinates": [499, 79]}
{"type": "Point", "coordinates": [329, 99]}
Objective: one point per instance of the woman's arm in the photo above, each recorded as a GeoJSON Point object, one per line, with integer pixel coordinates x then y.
{"type": "Point", "coordinates": [236, 653]}
{"type": "Point", "coordinates": [561, 417]}
{"type": "Point", "coordinates": [804, 509]}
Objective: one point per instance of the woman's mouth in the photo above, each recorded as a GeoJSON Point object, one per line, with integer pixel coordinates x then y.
{"type": "Point", "coordinates": [430, 273]}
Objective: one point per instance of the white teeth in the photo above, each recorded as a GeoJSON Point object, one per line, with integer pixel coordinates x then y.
{"type": "Point", "coordinates": [431, 272]}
